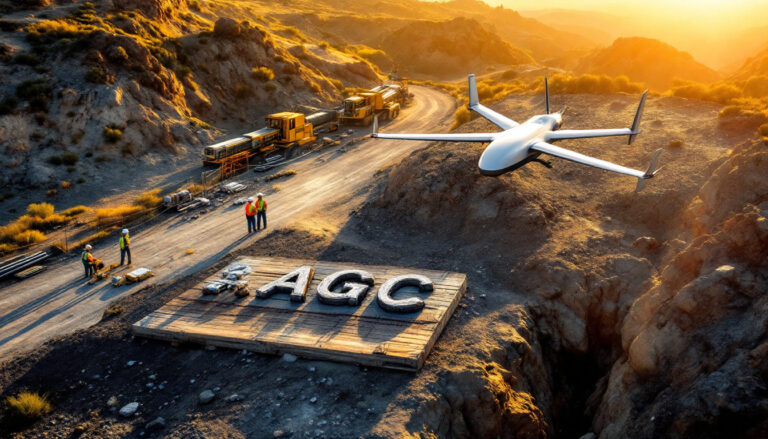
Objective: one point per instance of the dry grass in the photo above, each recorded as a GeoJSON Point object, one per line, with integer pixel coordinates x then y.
{"type": "Point", "coordinates": [29, 237]}
{"type": "Point", "coordinates": [75, 211]}
{"type": "Point", "coordinates": [263, 73]}
{"type": "Point", "coordinates": [194, 188]}
{"type": "Point", "coordinates": [150, 199]}
{"type": "Point", "coordinates": [28, 405]}
{"type": "Point", "coordinates": [40, 210]}
{"type": "Point", "coordinates": [113, 311]}
{"type": "Point", "coordinates": [119, 212]}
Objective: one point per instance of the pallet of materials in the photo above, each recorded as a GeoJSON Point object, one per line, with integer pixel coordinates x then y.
{"type": "Point", "coordinates": [18, 263]}
{"type": "Point", "coordinates": [210, 313]}
{"type": "Point", "coordinates": [29, 272]}
{"type": "Point", "coordinates": [138, 275]}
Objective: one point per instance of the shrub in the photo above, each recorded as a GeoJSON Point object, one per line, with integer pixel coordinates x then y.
{"type": "Point", "coordinates": [263, 73]}
{"type": "Point", "coordinates": [270, 87]}
{"type": "Point", "coordinates": [113, 311]}
{"type": "Point", "coordinates": [28, 406]}
{"type": "Point", "coordinates": [7, 248]}
{"type": "Point", "coordinates": [51, 192]}
{"type": "Point", "coordinates": [96, 75]}
{"type": "Point", "coordinates": [65, 185]}
{"type": "Point", "coordinates": [763, 130]}
{"type": "Point", "coordinates": [112, 133]}
{"type": "Point", "coordinates": [74, 211]}
{"type": "Point", "coordinates": [118, 54]}
{"type": "Point", "coordinates": [149, 199]}
{"type": "Point", "coordinates": [184, 71]}
{"type": "Point", "coordinates": [29, 237]}
{"type": "Point", "coordinates": [315, 87]}
{"type": "Point", "coordinates": [55, 160]}
{"type": "Point", "coordinates": [243, 91]}
{"type": "Point", "coordinates": [461, 116]}
{"type": "Point", "coordinates": [201, 123]}
{"type": "Point", "coordinates": [26, 59]}
{"type": "Point", "coordinates": [194, 188]}
{"type": "Point", "coordinates": [336, 83]}
{"type": "Point", "coordinates": [675, 143]}
{"type": "Point", "coordinates": [35, 91]}
{"type": "Point", "coordinates": [40, 210]}
{"type": "Point", "coordinates": [69, 158]}
{"type": "Point", "coordinates": [119, 212]}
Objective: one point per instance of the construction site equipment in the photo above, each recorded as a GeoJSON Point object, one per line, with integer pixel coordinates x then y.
{"type": "Point", "coordinates": [138, 275]}
{"type": "Point", "coordinates": [197, 202]}
{"type": "Point", "coordinates": [118, 280]}
{"type": "Point", "coordinates": [21, 262]}
{"type": "Point", "coordinates": [29, 272]}
{"type": "Point", "coordinates": [269, 163]}
{"type": "Point", "coordinates": [178, 198]}
{"type": "Point", "coordinates": [233, 187]}
{"type": "Point", "coordinates": [383, 101]}
{"type": "Point", "coordinates": [285, 134]}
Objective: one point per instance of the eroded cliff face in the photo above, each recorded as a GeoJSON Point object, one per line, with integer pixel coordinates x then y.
{"type": "Point", "coordinates": [647, 311]}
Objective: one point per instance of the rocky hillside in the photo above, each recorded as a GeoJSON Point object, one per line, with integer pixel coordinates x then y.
{"type": "Point", "coordinates": [646, 60]}
{"type": "Point", "coordinates": [109, 80]}
{"type": "Point", "coordinates": [754, 66]}
{"type": "Point", "coordinates": [450, 48]}
{"type": "Point", "coordinates": [650, 320]}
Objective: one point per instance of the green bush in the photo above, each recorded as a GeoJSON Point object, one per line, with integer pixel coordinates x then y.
{"type": "Point", "coordinates": [243, 91]}
{"type": "Point", "coordinates": [263, 73]}
{"type": "Point", "coordinates": [112, 133]}
{"type": "Point", "coordinates": [26, 59]}
{"type": "Point", "coordinates": [118, 54]}
{"type": "Point", "coordinates": [96, 75]}
{"type": "Point", "coordinates": [69, 158]}
{"type": "Point", "coordinates": [35, 91]}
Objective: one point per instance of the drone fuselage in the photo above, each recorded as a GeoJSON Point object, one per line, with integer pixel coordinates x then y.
{"type": "Point", "coordinates": [511, 149]}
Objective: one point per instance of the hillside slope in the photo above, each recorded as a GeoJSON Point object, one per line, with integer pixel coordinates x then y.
{"type": "Point", "coordinates": [114, 81]}
{"type": "Point", "coordinates": [449, 48]}
{"type": "Point", "coordinates": [647, 60]}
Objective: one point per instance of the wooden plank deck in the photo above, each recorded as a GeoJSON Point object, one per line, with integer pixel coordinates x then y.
{"type": "Point", "coordinates": [363, 334]}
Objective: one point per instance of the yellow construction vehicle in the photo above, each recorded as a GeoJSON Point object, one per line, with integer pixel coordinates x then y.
{"type": "Point", "coordinates": [383, 101]}
{"type": "Point", "coordinates": [286, 133]}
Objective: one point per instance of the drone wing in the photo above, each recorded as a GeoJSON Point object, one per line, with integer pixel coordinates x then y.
{"type": "Point", "coordinates": [454, 137]}
{"type": "Point", "coordinates": [566, 154]}
{"type": "Point", "coordinates": [583, 134]}
{"type": "Point", "coordinates": [497, 119]}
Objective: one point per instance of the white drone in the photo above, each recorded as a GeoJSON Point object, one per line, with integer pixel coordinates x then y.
{"type": "Point", "coordinates": [519, 144]}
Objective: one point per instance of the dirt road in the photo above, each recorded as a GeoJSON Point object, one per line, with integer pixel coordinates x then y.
{"type": "Point", "coordinates": [58, 301]}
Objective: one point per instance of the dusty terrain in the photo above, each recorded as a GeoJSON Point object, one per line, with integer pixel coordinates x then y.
{"type": "Point", "coordinates": [580, 291]}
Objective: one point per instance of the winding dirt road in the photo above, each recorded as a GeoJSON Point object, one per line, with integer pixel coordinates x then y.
{"type": "Point", "coordinates": [58, 301]}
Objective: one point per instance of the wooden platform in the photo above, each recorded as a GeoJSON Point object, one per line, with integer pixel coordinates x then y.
{"type": "Point", "coordinates": [363, 334]}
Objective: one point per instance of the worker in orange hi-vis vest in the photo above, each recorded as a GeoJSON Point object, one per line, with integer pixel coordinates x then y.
{"type": "Point", "coordinates": [89, 262]}
{"type": "Point", "coordinates": [261, 211]}
{"type": "Point", "coordinates": [250, 215]}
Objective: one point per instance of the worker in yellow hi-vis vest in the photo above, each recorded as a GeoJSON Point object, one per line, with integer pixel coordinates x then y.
{"type": "Point", "coordinates": [125, 247]}
{"type": "Point", "coordinates": [261, 211]}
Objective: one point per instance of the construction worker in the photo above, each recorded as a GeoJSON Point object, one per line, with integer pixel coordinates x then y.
{"type": "Point", "coordinates": [125, 247]}
{"type": "Point", "coordinates": [250, 215]}
{"type": "Point", "coordinates": [261, 211]}
{"type": "Point", "coordinates": [89, 263]}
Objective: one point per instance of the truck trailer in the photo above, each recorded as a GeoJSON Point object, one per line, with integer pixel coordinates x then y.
{"type": "Point", "coordinates": [384, 101]}
{"type": "Point", "coordinates": [285, 133]}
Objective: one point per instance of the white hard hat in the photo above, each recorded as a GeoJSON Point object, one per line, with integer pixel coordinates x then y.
{"type": "Point", "coordinates": [88, 247]}
{"type": "Point", "coordinates": [259, 194]}
{"type": "Point", "coordinates": [125, 231]}
{"type": "Point", "coordinates": [250, 199]}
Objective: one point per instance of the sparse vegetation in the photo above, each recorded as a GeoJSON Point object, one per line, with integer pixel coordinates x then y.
{"type": "Point", "coordinates": [763, 130]}
{"type": "Point", "coordinates": [243, 91]}
{"type": "Point", "coordinates": [35, 91]}
{"type": "Point", "coordinates": [675, 143]}
{"type": "Point", "coordinates": [113, 311]}
{"type": "Point", "coordinates": [112, 133]}
{"type": "Point", "coordinates": [28, 406]}
{"type": "Point", "coordinates": [263, 73]}
{"type": "Point", "coordinates": [96, 75]}
{"type": "Point", "coordinates": [150, 199]}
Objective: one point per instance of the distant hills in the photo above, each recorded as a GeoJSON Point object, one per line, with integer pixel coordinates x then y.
{"type": "Point", "coordinates": [450, 48]}
{"type": "Point", "coordinates": [644, 59]}
{"type": "Point", "coordinates": [755, 66]}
